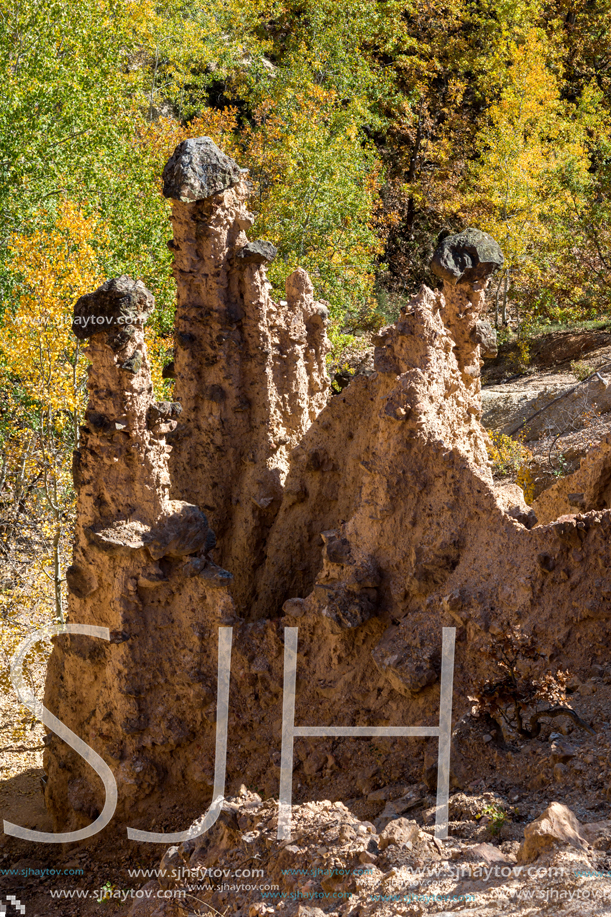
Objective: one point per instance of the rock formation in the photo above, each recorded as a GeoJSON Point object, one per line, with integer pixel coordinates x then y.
{"type": "Point", "coordinates": [250, 372]}
{"type": "Point", "coordinates": [369, 520]}
{"type": "Point", "coordinates": [140, 568]}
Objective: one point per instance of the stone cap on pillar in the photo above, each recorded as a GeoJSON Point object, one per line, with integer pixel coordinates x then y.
{"type": "Point", "coordinates": [466, 257]}
{"type": "Point", "coordinates": [118, 306]}
{"type": "Point", "coordinates": [197, 169]}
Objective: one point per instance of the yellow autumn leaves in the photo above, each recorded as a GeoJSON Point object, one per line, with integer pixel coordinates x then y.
{"type": "Point", "coordinates": [41, 355]}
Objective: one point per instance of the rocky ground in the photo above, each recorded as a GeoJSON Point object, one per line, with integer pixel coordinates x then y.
{"type": "Point", "coordinates": [557, 402]}
{"type": "Point", "coordinates": [336, 864]}
{"type": "Point", "coordinates": [371, 853]}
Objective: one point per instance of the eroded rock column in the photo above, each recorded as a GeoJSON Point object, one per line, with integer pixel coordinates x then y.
{"type": "Point", "coordinates": [464, 262]}
{"type": "Point", "coordinates": [144, 701]}
{"type": "Point", "coordinates": [250, 372]}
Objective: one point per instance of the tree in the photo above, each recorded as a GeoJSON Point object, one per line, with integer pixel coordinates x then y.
{"type": "Point", "coordinates": [529, 140]}
{"type": "Point", "coordinates": [44, 374]}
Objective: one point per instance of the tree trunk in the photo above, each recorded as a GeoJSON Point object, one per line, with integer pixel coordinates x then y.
{"type": "Point", "coordinates": [57, 574]}
{"type": "Point", "coordinates": [506, 287]}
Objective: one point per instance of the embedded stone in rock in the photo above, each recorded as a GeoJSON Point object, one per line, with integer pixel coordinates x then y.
{"type": "Point", "coordinates": [484, 334]}
{"type": "Point", "coordinates": [296, 608]}
{"type": "Point", "coordinates": [116, 306]}
{"type": "Point", "coordinates": [163, 412]}
{"type": "Point", "coordinates": [347, 608]}
{"type": "Point", "coordinates": [409, 661]}
{"type": "Point", "coordinates": [337, 549]}
{"type": "Point", "coordinates": [197, 170]}
{"type": "Point", "coordinates": [527, 518]}
{"type": "Point", "coordinates": [81, 581]}
{"type": "Point", "coordinates": [185, 532]}
{"type": "Point", "coordinates": [119, 538]}
{"type": "Point", "coordinates": [133, 364]}
{"type": "Point", "coordinates": [260, 252]}
{"type": "Point", "coordinates": [467, 256]}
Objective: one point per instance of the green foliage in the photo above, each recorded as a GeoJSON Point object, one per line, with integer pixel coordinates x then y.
{"type": "Point", "coordinates": [507, 128]}
{"type": "Point", "coordinates": [367, 127]}
{"type": "Point", "coordinates": [496, 816]}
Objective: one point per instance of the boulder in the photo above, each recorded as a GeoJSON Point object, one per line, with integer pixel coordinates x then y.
{"type": "Point", "coordinates": [119, 303]}
{"type": "Point", "coordinates": [557, 825]}
{"type": "Point", "coordinates": [259, 252]}
{"type": "Point", "coordinates": [399, 833]}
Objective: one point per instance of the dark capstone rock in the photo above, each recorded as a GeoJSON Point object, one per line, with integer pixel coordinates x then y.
{"type": "Point", "coordinates": [115, 307]}
{"type": "Point", "coordinates": [259, 252]}
{"type": "Point", "coordinates": [169, 371]}
{"type": "Point", "coordinates": [163, 412]}
{"type": "Point", "coordinates": [133, 364]}
{"type": "Point", "coordinates": [484, 334]}
{"type": "Point", "coordinates": [197, 169]}
{"type": "Point", "coordinates": [466, 256]}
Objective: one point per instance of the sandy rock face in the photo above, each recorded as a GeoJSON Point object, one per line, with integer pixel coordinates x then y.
{"type": "Point", "coordinates": [587, 489]}
{"type": "Point", "coordinates": [374, 457]}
